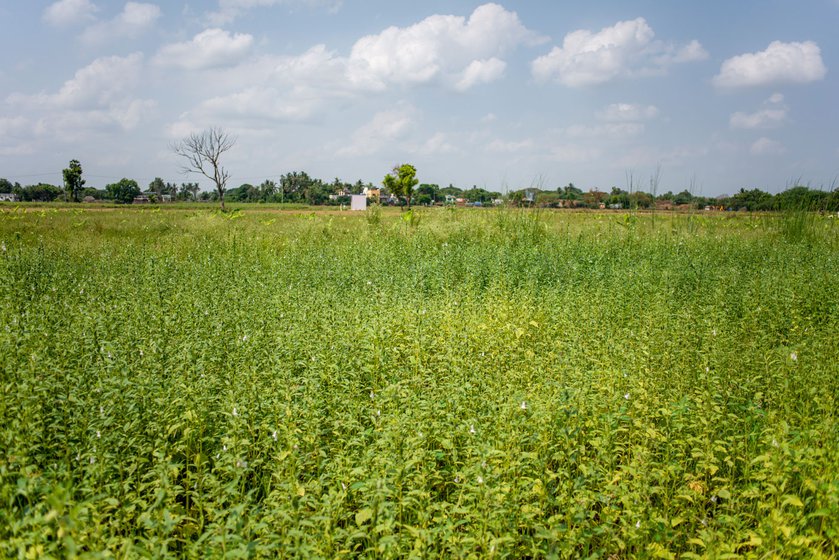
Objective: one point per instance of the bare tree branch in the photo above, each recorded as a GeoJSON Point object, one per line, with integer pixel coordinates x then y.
{"type": "Point", "coordinates": [202, 153]}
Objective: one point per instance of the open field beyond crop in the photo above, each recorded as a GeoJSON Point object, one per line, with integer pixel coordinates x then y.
{"type": "Point", "coordinates": [444, 384]}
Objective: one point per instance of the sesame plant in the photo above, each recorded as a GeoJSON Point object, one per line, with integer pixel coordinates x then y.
{"type": "Point", "coordinates": [482, 384]}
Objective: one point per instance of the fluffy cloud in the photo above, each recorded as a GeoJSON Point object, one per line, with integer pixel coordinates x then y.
{"type": "Point", "coordinates": [766, 147]}
{"type": "Point", "coordinates": [480, 72]}
{"type": "Point", "coordinates": [779, 63]}
{"type": "Point", "coordinates": [627, 48]}
{"type": "Point", "coordinates": [627, 112]}
{"type": "Point", "coordinates": [459, 52]}
{"type": "Point", "coordinates": [383, 129]}
{"type": "Point", "coordinates": [69, 12]}
{"type": "Point", "coordinates": [135, 18]}
{"type": "Point", "coordinates": [773, 114]}
{"type": "Point", "coordinates": [98, 97]}
{"type": "Point", "coordinates": [453, 51]}
{"type": "Point", "coordinates": [211, 48]}
{"type": "Point", "coordinates": [228, 10]}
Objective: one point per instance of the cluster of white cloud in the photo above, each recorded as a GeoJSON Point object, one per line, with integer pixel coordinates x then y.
{"type": "Point", "coordinates": [772, 115]}
{"type": "Point", "coordinates": [458, 51]}
{"type": "Point", "coordinates": [134, 19]}
{"type": "Point", "coordinates": [98, 97]}
{"type": "Point", "coordinates": [627, 48]}
{"type": "Point", "coordinates": [780, 63]}
{"type": "Point", "coordinates": [70, 12]}
{"type": "Point", "coordinates": [212, 48]}
{"type": "Point", "coordinates": [253, 91]}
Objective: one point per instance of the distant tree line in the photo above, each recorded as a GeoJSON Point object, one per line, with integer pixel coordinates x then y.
{"type": "Point", "coordinates": [797, 197]}
{"type": "Point", "coordinates": [300, 188]}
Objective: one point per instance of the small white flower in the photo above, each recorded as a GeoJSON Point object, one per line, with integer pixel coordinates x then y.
{"type": "Point", "coordinates": [626, 396]}
{"type": "Point", "coordinates": [372, 395]}
{"type": "Point", "coordinates": [274, 435]}
{"type": "Point", "coordinates": [224, 448]}
{"type": "Point", "coordinates": [480, 479]}
{"type": "Point", "coordinates": [714, 499]}
{"type": "Point", "coordinates": [378, 412]}
{"type": "Point", "coordinates": [92, 460]}
{"type": "Point", "coordinates": [101, 410]}
{"type": "Point", "coordinates": [714, 332]}
{"type": "Point", "coordinates": [141, 352]}
{"type": "Point", "coordinates": [98, 435]}
{"type": "Point", "coordinates": [369, 283]}
{"type": "Point", "coordinates": [457, 480]}
{"type": "Point", "coordinates": [471, 429]}
{"type": "Point", "coordinates": [245, 338]}
{"type": "Point", "coordinates": [774, 442]}
{"type": "Point", "coordinates": [343, 487]}
{"type": "Point", "coordinates": [793, 356]}
{"type": "Point", "coordinates": [707, 369]}
{"type": "Point", "coordinates": [704, 522]}
{"type": "Point", "coordinates": [638, 524]}
{"type": "Point", "coordinates": [242, 464]}
{"type": "Point", "coordinates": [524, 405]}
{"type": "Point", "coordinates": [235, 413]}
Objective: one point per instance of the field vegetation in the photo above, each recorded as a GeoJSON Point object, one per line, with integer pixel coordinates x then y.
{"type": "Point", "coordinates": [448, 383]}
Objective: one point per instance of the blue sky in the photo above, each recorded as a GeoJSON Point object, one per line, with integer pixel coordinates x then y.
{"type": "Point", "coordinates": [718, 95]}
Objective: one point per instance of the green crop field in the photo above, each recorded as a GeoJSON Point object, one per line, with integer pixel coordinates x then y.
{"type": "Point", "coordinates": [450, 383]}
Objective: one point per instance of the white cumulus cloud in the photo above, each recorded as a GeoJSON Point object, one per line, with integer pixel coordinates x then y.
{"type": "Point", "coordinates": [773, 114]}
{"type": "Point", "coordinates": [69, 12]}
{"type": "Point", "coordinates": [98, 97]}
{"type": "Point", "coordinates": [627, 48]}
{"type": "Point", "coordinates": [779, 63]}
{"type": "Point", "coordinates": [458, 51]}
{"type": "Point", "coordinates": [211, 48]}
{"type": "Point", "coordinates": [135, 18]}
{"type": "Point", "coordinates": [480, 72]}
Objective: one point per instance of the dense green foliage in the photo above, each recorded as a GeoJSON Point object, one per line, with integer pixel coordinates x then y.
{"type": "Point", "coordinates": [123, 191]}
{"type": "Point", "coordinates": [475, 383]}
{"type": "Point", "coordinates": [73, 182]}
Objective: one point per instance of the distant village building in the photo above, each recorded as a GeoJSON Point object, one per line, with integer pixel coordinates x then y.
{"type": "Point", "coordinates": [371, 192]}
{"type": "Point", "coordinates": [8, 197]}
{"type": "Point", "coordinates": [358, 202]}
{"type": "Point", "coordinates": [88, 199]}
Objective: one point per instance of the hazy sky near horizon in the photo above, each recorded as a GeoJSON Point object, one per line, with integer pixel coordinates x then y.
{"type": "Point", "coordinates": [717, 94]}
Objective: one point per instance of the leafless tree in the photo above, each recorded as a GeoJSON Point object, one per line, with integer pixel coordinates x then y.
{"type": "Point", "coordinates": [202, 152]}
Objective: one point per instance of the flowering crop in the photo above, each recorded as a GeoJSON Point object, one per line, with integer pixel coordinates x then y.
{"type": "Point", "coordinates": [479, 383]}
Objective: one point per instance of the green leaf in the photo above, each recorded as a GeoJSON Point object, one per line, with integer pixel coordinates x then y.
{"type": "Point", "coordinates": [791, 500]}
{"type": "Point", "coordinates": [362, 516]}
